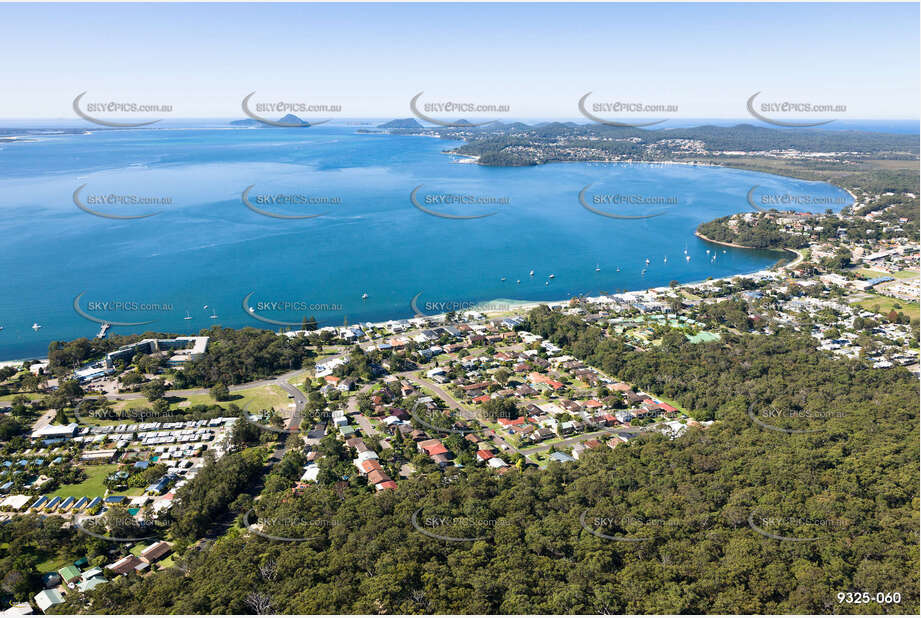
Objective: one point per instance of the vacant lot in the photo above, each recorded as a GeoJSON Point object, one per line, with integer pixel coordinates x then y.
{"type": "Point", "coordinates": [92, 486]}
{"type": "Point", "coordinates": [887, 304]}
{"type": "Point", "coordinates": [261, 397]}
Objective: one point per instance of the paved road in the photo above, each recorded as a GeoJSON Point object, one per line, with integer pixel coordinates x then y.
{"type": "Point", "coordinates": [44, 420]}
{"type": "Point", "coordinates": [466, 413]}
{"type": "Point", "coordinates": [575, 440]}
{"type": "Point", "coordinates": [300, 402]}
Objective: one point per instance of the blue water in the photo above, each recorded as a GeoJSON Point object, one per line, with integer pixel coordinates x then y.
{"type": "Point", "coordinates": [207, 248]}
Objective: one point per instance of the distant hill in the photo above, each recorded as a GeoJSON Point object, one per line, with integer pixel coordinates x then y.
{"type": "Point", "coordinates": [401, 123]}
{"type": "Point", "coordinates": [293, 120]}
{"type": "Point", "coordinates": [289, 119]}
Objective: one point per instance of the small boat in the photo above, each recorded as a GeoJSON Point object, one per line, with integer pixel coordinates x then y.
{"type": "Point", "coordinates": [503, 279]}
{"type": "Point", "coordinates": [647, 260]}
{"type": "Point", "coordinates": [724, 251]}
{"type": "Point", "coordinates": [618, 269]}
{"type": "Point", "coordinates": [532, 273]}
{"type": "Point", "coordinates": [188, 316]}
{"type": "Point", "coordinates": [688, 258]}
{"type": "Point", "coordinates": [552, 276]}
{"type": "Point", "coordinates": [708, 251]}
{"type": "Point", "coordinates": [364, 296]}
{"type": "Point", "coordinates": [546, 283]}
{"type": "Point", "coordinates": [36, 326]}
{"type": "Point", "coordinates": [665, 259]}
{"type": "Point", "coordinates": [597, 268]}
{"type": "Point", "coordinates": [517, 280]}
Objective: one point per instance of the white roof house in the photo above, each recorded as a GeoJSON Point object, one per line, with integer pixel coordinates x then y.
{"type": "Point", "coordinates": [310, 473]}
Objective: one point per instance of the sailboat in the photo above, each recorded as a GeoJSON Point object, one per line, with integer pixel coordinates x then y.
{"type": "Point", "coordinates": [213, 315]}
{"type": "Point", "coordinates": [188, 316]}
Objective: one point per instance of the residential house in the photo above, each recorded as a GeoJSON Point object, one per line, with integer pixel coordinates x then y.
{"type": "Point", "coordinates": [126, 565]}
{"type": "Point", "coordinates": [155, 551]}
{"type": "Point", "coordinates": [48, 598]}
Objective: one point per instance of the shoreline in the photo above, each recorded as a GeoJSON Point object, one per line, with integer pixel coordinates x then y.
{"type": "Point", "coordinates": [726, 244]}
{"type": "Point", "coordinates": [794, 262]}
{"type": "Point", "coordinates": [526, 305]}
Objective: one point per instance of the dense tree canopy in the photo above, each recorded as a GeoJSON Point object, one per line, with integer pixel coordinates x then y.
{"type": "Point", "coordinates": [700, 509]}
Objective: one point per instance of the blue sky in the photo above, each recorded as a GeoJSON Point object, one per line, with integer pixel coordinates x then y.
{"type": "Point", "coordinates": [538, 59]}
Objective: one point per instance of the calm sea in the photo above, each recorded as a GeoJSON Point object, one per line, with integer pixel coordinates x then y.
{"type": "Point", "coordinates": [368, 254]}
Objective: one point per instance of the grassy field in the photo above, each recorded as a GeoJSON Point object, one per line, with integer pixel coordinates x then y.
{"type": "Point", "coordinates": [870, 273]}
{"type": "Point", "coordinates": [51, 564]}
{"type": "Point", "coordinates": [688, 295]}
{"type": "Point", "coordinates": [261, 397]}
{"type": "Point", "coordinates": [902, 274]}
{"type": "Point", "coordinates": [8, 399]}
{"type": "Point", "coordinates": [298, 378]}
{"type": "Point", "coordinates": [886, 304]}
{"type": "Point", "coordinates": [92, 486]}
